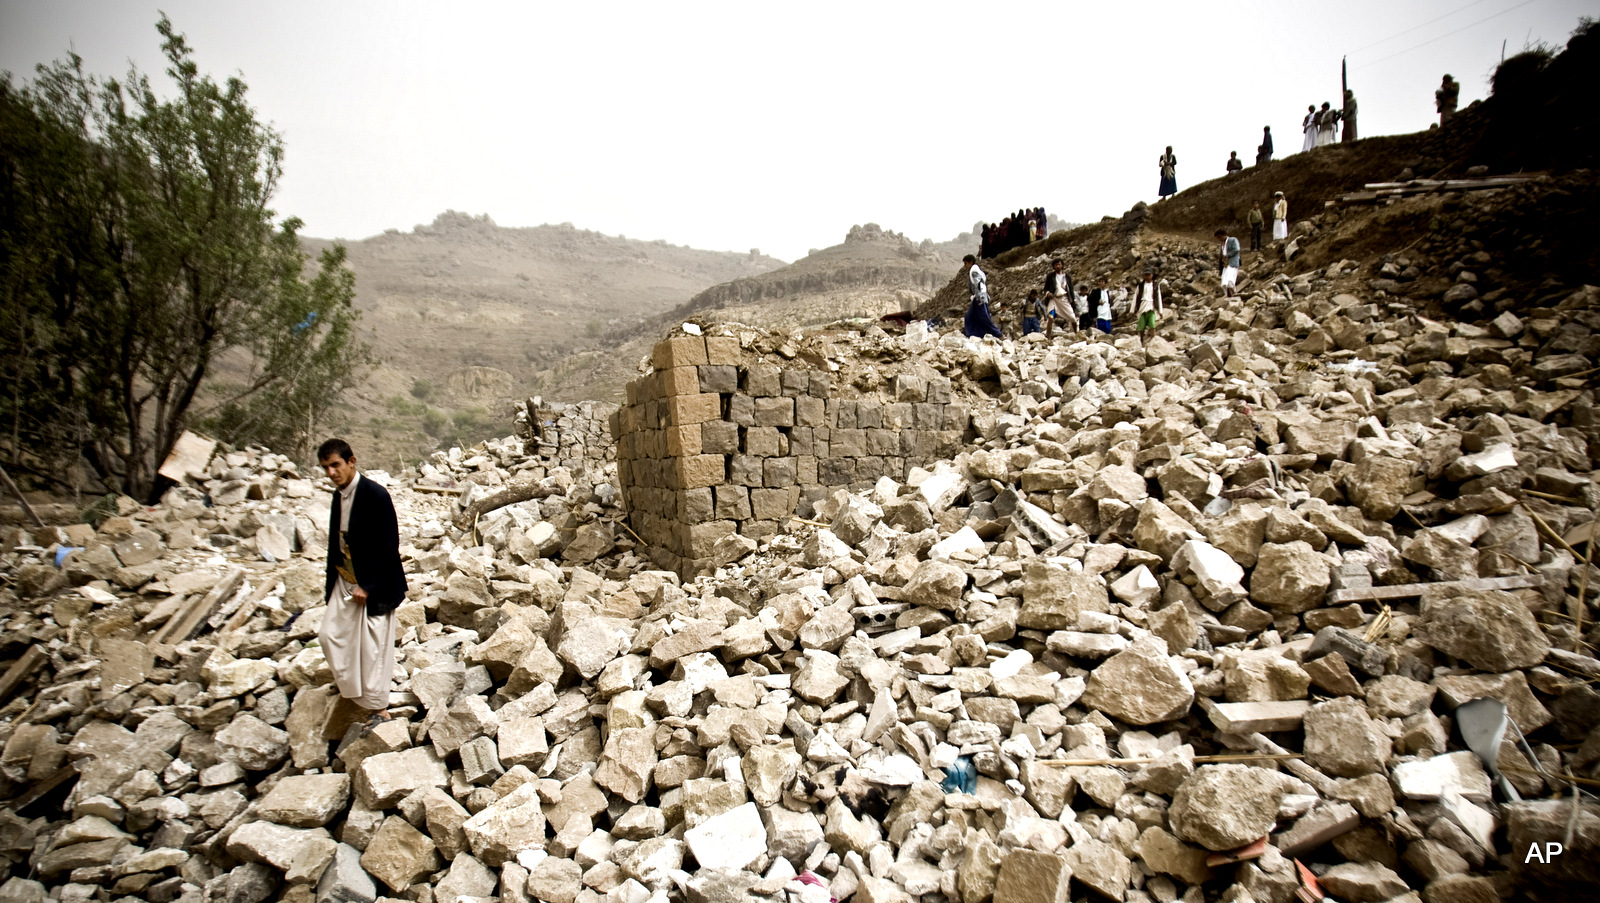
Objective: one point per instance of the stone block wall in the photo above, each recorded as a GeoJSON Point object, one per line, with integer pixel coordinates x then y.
{"type": "Point", "coordinates": [714, 442]}
{"type": "Point", "coordinates": [567, 434]}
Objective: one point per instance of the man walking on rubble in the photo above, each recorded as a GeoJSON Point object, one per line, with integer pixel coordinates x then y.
{"type": "Point", "coordinates": [1147, 303]}
{"type": "Point", "coordinates": [978, 323]}
{"type": "Point", "coordinates": [366, 582]}
{"type": "Point", "coordinates": [1230, 262]}
{"type": "Point", "coordinates": [1058, 286]}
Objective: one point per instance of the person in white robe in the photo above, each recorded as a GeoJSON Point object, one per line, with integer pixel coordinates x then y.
{"type": "Point", "coordinates": [366, 582]}
{"type": "Point", "coordinates": [1308, 125]}
{"type": "Point", "coordinates": [1327, 118]}
{"type": "Point", "coordinates": [1280, 217]}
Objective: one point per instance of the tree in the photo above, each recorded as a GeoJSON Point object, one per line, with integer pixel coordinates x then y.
{"type": "Point", "coordinates": [137, 253]}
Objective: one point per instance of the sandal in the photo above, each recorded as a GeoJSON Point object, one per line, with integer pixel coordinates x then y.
{"type": "Point", "coordinates": [378, 718]}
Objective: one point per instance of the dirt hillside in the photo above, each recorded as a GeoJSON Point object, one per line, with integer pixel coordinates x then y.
{"type": "Point", "coordinates": [464, 316]}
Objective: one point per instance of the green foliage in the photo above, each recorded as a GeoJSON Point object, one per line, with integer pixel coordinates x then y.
{"type": "Point", "coordinates": [421, 389]}
{"type": "Point", "coordinates": [405, 407]}
{"type": "Point", "coordinates": [137, 250]}
{"type": "Point", "coordinates": [434, 423]}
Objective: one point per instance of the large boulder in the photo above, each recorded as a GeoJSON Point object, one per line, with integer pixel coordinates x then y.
{"type": "Point", "coordinates": [1491, 630]}
{"type": "Point", "coordinates": [1222, 807]}
{"type": "Point", "coordinates": [1053, 597]}
{"type": "Point", "coordinates": [1290, 577]}
{"type": "Point", "coordinates": [1140, 685]}
{"type": "Point", "coordinates": [1343, 740]}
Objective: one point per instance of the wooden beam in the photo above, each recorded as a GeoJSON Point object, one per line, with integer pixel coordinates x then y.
{"type": "Point", "coordinates": [238, 619]}
{"type": "Point", "coordinates": [1412, 590]}
{"type": "Point", "coordinates": [26, 508]}
{"type": "Point", "coordinates": [437, 490]}
{"type": "Point", "coordinates": [182, 625]}
{"type": "Point", "coordinates": [1250, 717]}
{"type": "Point", "coordinates": [19, 671]}
{"type": "Point", "coordinates": [38, 791]}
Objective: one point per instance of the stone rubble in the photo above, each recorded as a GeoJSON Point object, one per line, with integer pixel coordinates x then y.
{"type": "Point", "coordinates": [1044, 669]}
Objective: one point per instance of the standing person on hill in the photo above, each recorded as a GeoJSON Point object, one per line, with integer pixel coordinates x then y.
{"type": "Point", "coordinates": [1234, 163]}
{"type": "Point", "coordinates": [1256, 222]}
{"type": "Point", "coordinates": [1229, 255]}
{"type": "Point", "coordinates": [1264, 151]}
{"type": "Point", "coordinates": [1309, 126]}
{"type": "Point", "coordinates": [1058, 288]}
{"type": "Point", "coordinates": [978, 323]}
{"type": "Point", "coordinates": [1326, 118]}
{"type": "Point", "coordinates": [1042, 220]}
{"type": "Point", "coordinates": [1169, 174]}
{"type": "Point", "coordinates": [1348, 116]}
{"type": "Point", "coordinates": [1446, 97]}
{"type": "Point", "coordinates": [1280, 217]}
{"type": "Point", "coordinates": [366, 582]}
{"type": "Point", "coordinates": [1147, 306]}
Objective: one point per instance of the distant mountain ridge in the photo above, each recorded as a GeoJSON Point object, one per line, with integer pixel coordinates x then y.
{"type": "Point", "coordinates": [463, 292]}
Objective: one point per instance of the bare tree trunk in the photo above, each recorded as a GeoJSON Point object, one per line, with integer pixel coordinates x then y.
{"type": "Point", "coordinates": [517, 492]}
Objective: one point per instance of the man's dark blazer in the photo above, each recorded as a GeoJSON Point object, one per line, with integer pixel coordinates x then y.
{"type": "Point", "coordinates": [374, 538]}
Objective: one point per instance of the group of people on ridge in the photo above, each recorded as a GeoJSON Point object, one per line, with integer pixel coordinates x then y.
{"type": "Point", "coordinates": [1014, 231]}
{"type": "Point", "coordinates": [1074, 305]}
{"type": "Point", "coordinates": [1319, 125]}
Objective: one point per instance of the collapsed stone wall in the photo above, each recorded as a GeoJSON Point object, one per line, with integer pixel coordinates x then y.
{"type": "Point", "coordinates": [567, 434]}
{"type": "Point", "coordinates": [717, 441]}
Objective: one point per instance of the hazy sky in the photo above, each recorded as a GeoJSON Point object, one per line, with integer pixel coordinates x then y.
{"type": "Point", "coordinates": [778, 126]}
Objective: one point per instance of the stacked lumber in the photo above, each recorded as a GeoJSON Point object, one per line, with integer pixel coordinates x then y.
{"type": "Point", "coordinates": [1386, 192]}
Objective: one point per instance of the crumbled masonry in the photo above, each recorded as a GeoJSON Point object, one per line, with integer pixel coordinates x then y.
{"type": "Point", "coordinates": [1156, 604]}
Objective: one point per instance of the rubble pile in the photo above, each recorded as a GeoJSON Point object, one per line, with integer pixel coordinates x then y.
{"type": "Point", "coordinates": [1187, 621]}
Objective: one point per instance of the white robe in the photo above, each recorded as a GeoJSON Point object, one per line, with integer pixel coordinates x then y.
{"type": "Point", "coordinates": [1310, 128]}
{"type": "Point", "coordinates": [359, 648]}
{"type": "Point", "coordinates": [1280, 221]}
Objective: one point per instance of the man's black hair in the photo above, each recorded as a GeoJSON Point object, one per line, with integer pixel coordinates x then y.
{"type": "Point", "coordinates": [969, 259]}
{"type": "Point", "coordinates": [335, 447]}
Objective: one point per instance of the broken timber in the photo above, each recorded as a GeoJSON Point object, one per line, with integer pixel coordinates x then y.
{"type": "Point", "coordinates": [1378, 192]}
{"type": "Point", "coordinates": [1411, 590]}
{"type": "Point", "coordinates": [19, 671]}
{"type": "Point", "coordinates": [186, 621]}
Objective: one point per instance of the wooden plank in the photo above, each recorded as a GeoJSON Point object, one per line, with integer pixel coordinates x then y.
{"type": "Point", "coordinates": [1576, 662]}
{"type": "Point", "coordinates": [38, 791]}
{"type": "Point", "coordinates": [1427, 184]}
{"type": "Point", "coordinates": [437, 490]}
{"type": "Point", "coordinates": [19, 671]}
{"type": "Point", "coordinates": [21, 499]}
{"type": "Point", "coordinates": [1250, 717]}
{"type": "Point", "coordinates": [249, 607]}
{"type": "Point", "coordinates": [163, 612]}
{"type": "Point", "coordinates": [190, 455]}
{"type": "Point", "coordinates": [1412, 590]}
{"type": "Point", "coordinates": [182, 625]}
